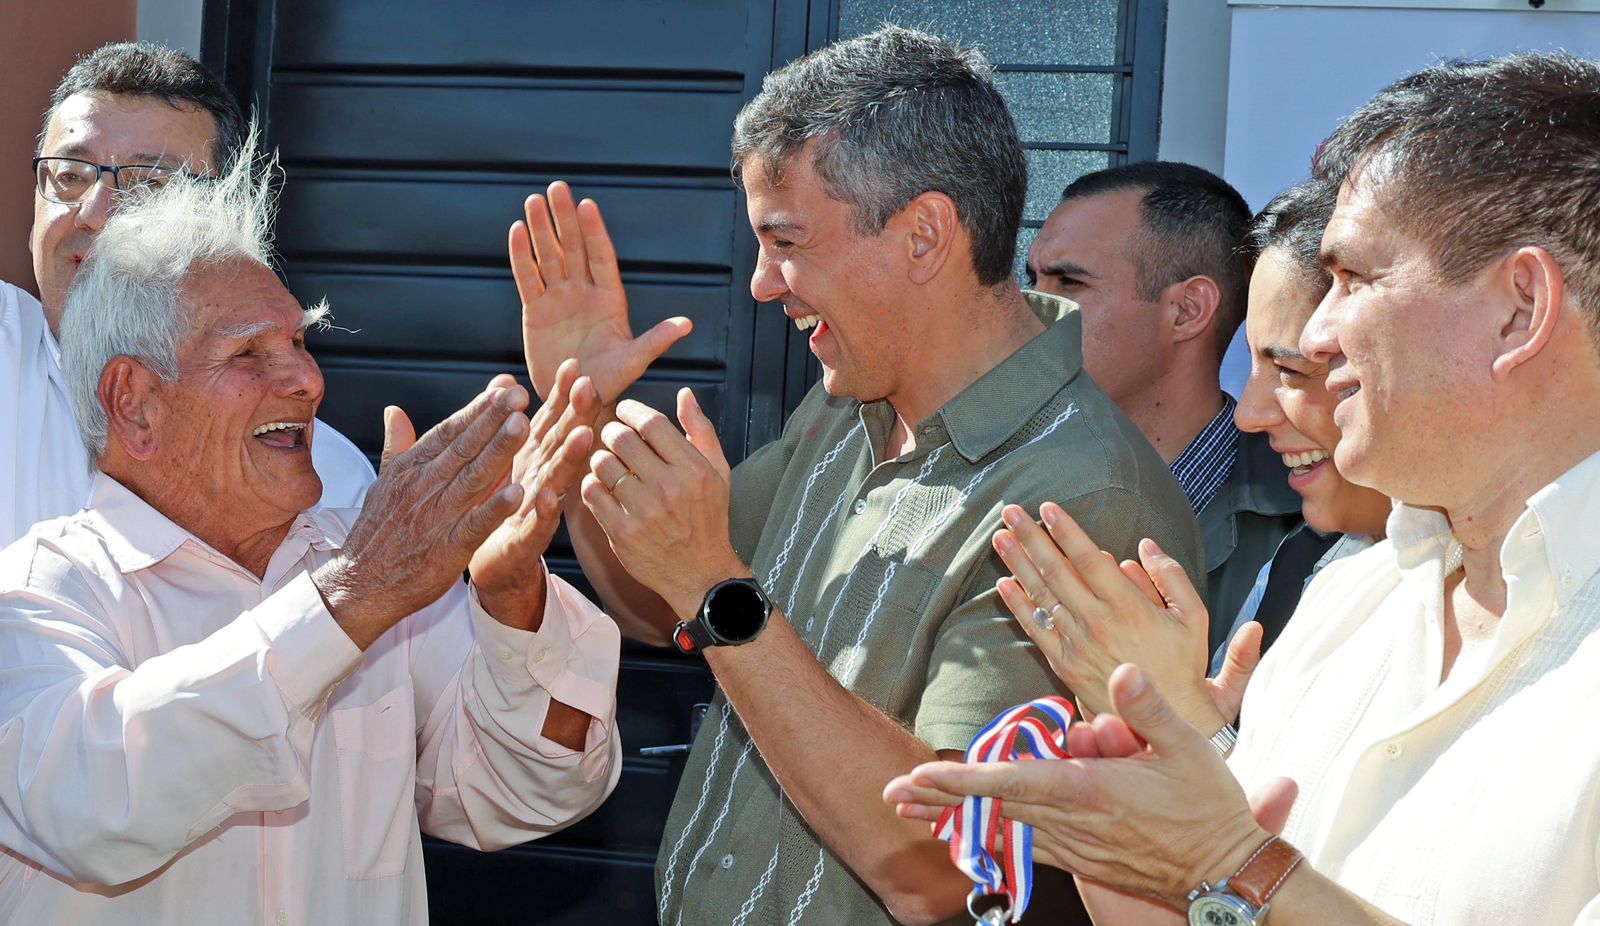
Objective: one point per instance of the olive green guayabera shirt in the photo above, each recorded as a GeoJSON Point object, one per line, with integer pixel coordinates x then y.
{"type": "Point", "coordinates": [886, 570]}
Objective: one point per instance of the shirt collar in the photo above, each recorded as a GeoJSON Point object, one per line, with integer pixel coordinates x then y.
{"type": "Point", "coordinates": [1553, 535]}
{"type": "Point", "coordinates": [987, 413]}
{"type": "Point", "coordinates": [1204, 465]}
{"type": "Point", "coordinates": [137, 536]}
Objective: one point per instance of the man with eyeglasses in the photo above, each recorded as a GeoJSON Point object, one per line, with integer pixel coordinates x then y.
{"type": "Point", "coordinates": [124, 119]}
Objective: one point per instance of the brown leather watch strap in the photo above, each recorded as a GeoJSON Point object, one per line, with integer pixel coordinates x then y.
{"type": "Point", "coordinates": [1265, 871]}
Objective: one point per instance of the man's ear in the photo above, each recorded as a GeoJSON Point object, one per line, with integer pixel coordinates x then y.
{"type": "Point", "coordinates": [128, 393]}
{"type": "Point", "coordinates": [1535, 290]}
{"type": "Point", "coordinates": [932, 227]}
{"type": "Point", "coordinates": [1194, 303]}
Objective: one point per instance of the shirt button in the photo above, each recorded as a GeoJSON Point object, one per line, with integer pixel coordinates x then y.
{"type": "Point", "coordinates": [539, 655]}
{"type": "Point", "coordinates": [283, 919]}
{"type": "Point", "coordinates": [506, 653]}
{"type": "Point", "coordinates": [861, 506]}
{"type": "Point", "coordinates": [1393, 750]}
{"type": "Point", "coordinates": [727, 861]}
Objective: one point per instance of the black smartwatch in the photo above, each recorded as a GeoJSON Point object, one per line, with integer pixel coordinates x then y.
{"type": "Point", "coordinates": [734, 612]}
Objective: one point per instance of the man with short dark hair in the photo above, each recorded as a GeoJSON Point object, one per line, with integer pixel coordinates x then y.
{"type": "Point", "coordinates": [124, 119]}
{"type": "Point", "coordinates": [1429, 696]}
{"type": "Point", "coordinates": [841, 581]}
{"type": "Point", "coordinates": [1151, 252]}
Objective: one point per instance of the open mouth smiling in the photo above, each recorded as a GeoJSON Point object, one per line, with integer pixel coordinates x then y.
{"type": "Point", "coordinates": [283, 435]}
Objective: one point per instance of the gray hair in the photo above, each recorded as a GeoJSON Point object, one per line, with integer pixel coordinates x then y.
{"type": "Point", "coordinates": [127, 299]}
{"type": "Point", "coordinates": [891, 115]}
{"type": "Point", "coordinates": [144, 69]}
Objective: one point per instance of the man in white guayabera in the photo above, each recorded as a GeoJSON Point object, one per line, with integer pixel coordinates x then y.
{"type": "Point", "coordinates": [220, 705]}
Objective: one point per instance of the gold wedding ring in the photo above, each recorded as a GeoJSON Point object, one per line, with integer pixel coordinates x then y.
{"type": "Point", "coordinates": [613, 489]}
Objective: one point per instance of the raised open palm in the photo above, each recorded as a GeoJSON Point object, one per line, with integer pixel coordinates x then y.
{"type": "Point", "coordinates": [573, 304]}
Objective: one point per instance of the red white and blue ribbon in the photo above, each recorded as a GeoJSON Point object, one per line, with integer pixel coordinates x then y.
{"type": "Point", "coordinates": [974, 829]}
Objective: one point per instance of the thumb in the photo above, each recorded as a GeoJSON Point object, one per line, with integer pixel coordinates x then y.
{"type": "Point", "coordinates": [1135, 698]}
{"type": "Point", "coordinates": [398, 435]}
{"type": "Point", "coordinates": [1271, 803]}
{"type": "Point", "coordinates": [1244, 654]}
{"type": "Point", "coordinates": [645, 348]}
{"type": "Point", "coordinates": [700, 431]}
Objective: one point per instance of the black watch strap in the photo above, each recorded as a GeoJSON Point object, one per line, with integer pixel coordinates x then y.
{"type": "Point", "coordinates": [734, 612]}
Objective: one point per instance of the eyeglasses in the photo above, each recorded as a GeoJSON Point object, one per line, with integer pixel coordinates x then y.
{"type": "Point", "coordinates": [69, 180]}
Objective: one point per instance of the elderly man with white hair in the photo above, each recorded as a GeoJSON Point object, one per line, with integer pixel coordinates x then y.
{"type": "Point", "coordinates": [219, 706]}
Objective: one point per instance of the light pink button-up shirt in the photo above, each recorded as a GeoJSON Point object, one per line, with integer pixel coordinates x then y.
{"type": "Point", "coordinates": [181, 742]}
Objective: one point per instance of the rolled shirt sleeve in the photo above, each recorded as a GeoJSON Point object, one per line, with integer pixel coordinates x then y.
{"type": "Point", "coordinates": [486, 775]}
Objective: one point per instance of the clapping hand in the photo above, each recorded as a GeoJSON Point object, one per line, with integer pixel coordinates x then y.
{"type": "Point", "coordinates": [573, 304]}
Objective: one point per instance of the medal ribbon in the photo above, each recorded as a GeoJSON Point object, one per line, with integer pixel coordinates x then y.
{"type": "Point", "coordinates": [974, 828]}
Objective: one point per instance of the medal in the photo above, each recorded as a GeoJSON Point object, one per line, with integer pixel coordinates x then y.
{"type": "Point", "coordinates": [974, 830]}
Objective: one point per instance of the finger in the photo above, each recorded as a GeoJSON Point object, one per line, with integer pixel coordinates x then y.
{"type": "Point", "coordinates": [648, 347]}
{"type": "Point", "coordinates": [1141, 705]}
{"type": "Point", "coordinates": [472, 530]}
{"type": "Point", "coordinates": [1081, 742]}
{"type": "Point", "coordinates": [601, 254]}
{"type": "Point", "coordinates": [906, 789]}
{"type": "Point", "coordinates": [1141, 580]}
{"type": "Point", "coordinates": [399, 435]}
{"type": "Point", "coordinates": [1052, 641]}
{"type": "Point", "coordinates": [1020, 558]}
{"type": "Point", "coordinates": [476, 464]}
{"type": "Point", "coordinates": [530, 286]}
{"type": "Point", "coordinates": [480, 456]}
{"type": "Point", "coordinates": [637, 454]}
{"type": "Point", "coordinates": [1017, 783]}
{"type": "Point", "coordinates": [1244, 654]}
{"type": "Point", "coordinates": [568, 464]}
{"type": "Point", "coordinates": [606, 509]}
{"type": "Point", "coordinates": [1096, 570]}
{"type": "Point", "coordinates": [657, 430]}
{"type": "Point", "coordinates": [1172, 582]}
{"type": "Point", "coordinates": [702, 434]}
{"type": "Point", "coordinates": [439, 437]}
{"type": "Point", "coordinates": [555, 407]}
{"type": "Point", "coordinates": [1114, 739]}
{"type": "Point", "coordinates": [1272, 802]}
{"type": "Point", "coordinates": [607, 468]}
{"type": "Point", "coordinates": [547, 251]}
{"type": "Point", "coordinates": [565, 212]}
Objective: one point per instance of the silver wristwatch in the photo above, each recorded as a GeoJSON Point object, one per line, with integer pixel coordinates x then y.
{"type": "Point", "coordinates": [1223, 739]}
{"type": "Point", "coordinates": [1244, 897]}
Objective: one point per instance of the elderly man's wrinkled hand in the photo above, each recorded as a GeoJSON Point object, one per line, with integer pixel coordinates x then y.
{"type": "Point", "coordinates": [507, 570]}
{"type": "Point", "coordinates": [435, 502]}
{"type": "Point", "coordinates": [1088, 614]}
{"type": "Point", "coordinates": [1153, 821]}
{"type": "Point", "coordinates": [573, 303]}
{"type": "Point", "coordinates": [662, 498]}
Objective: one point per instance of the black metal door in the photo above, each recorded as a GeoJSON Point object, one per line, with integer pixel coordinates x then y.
{"type": "Point", "coordinates": [410, 131]}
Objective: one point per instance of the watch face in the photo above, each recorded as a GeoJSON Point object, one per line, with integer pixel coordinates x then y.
{"type": "Point", "coordinates": [1220, 910]}
{"type": "Point", "coordinates": [736, 611]}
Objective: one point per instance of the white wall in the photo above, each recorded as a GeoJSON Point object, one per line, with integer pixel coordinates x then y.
{"type": "Point", "coordinates": [1194, 83]}
{"type": "Point", "coordinates": [1296, 68]}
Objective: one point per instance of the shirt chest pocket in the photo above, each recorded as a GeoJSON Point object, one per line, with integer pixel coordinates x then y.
{"type": "Point", "coordinates": [377, 746]}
